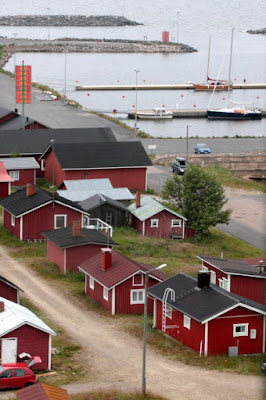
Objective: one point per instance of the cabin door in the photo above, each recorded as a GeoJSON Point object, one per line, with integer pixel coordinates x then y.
{"type": "Point", "coordinates": [8, 350]}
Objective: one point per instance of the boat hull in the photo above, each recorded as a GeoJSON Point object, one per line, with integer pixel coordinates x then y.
{"type": "Point", "coordinates": [208, 87]}
{"type": "Point", "coordinates": [153, 116]}
{"type": "Point", "coordinates": [232, 115]}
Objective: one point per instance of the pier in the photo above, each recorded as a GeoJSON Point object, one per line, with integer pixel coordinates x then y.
{"type": "Point", "coordinates": [186, 86]}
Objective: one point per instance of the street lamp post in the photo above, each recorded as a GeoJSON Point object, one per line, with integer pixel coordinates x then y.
{"type": "Point", "coordinates": [145, 326]}
{"type": "Point", "coordinates": [187, 139]}
{"type": "Point", "coordinates": [136, 108]}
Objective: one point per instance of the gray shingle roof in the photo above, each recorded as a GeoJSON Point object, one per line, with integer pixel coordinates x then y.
{"type": "Point", "coordinates": [88, 184]}
{"type": "Point", "coordinates": [20, 163]}
{"type": "Point", "coordinates": [19, 203]}
{"type": "Point", "coordinates": [64, 238]}
{"type": "Point", "coordinates": [100, 155]}
{"type": "Point", "coordinates": [97, 200]}
{"type": "Point", "coordinates": [199, 304]}
{"type": "Point", "coordinates": [233, 266]}
{"type": "Point", "coordinates": [120, 194]}
{"type": "Point", "coordinates": [35, 141]}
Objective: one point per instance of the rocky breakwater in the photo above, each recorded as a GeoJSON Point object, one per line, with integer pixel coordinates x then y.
{"type": "Point", "coordinates": [66, 20]}
{"type": "Point", "coordinates": [258, 31]}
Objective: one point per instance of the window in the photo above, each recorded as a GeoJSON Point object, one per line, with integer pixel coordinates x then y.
{"type": "Point", "coordinates": [14, 175]}
{"type": "Point", "coordinates": [205, 268]}
{"type": "Point", "coordinates": [42, 165]}
{"type": "Point", "coordinates": [137, 297]}
{"type": "Point", "coordinates": [60, 221]}
{"type": "Point", "coordinates": [213, 277]}
{"type": "Point", "coordinates": [86, 220]}
{"type": "Point", "coordinates": [13, 220]}
{"type": "Point", "coordinates": [91, 283]}
{"type": "Point", "coordinates": [168, 311]}
{"type": "Point", "coordinates": [186, 322]}
{"type": "Point", "coordinates": [6, 374]}
{"type": "Point", "coordinates": [175, 223]}
{"type": "Point", "coordinates": [138, 280]}
{"type": "Point", "coordinates": [19, 372]}
{"type": "Point", "coordinates": [105, 293]}
{"type": "Point", "coordinates": [240, 330]}
{"type": "Point", "coordinates": [154, 223]}
{"type": "Point", "coordinates": [223, 283]}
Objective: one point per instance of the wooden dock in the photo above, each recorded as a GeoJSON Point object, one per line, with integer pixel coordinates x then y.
{"type": "Point", "coordinates": [189, 113]}
{"type": "Point", "coordinates": [187, 86]}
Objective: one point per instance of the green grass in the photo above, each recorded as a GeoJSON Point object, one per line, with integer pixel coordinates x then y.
{"type": "Point", "coordinates": [115, 395]}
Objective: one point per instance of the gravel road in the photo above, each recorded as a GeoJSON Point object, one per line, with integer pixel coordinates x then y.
{"type": "Point", "coordinates": [115, 357]}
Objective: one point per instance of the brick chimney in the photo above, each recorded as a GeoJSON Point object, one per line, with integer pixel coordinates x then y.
{"type": "Point", "coordinates": [76, 228]}
{"type": "Point", "coordinates": [2, 306]}
{"type": "Point", "coordinates": [30, 189]}
{"type": "Point", "coordinates": [138, 197]}
{"type": "Point", "coordinates": [106, 258]}
{"type": "Point", "coordinates": [203, 279]}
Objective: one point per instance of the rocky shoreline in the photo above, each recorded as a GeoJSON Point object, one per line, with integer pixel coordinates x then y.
{"type": "Point", "coordinates": [258, 31]}
{"type": "Point", "coordinates": [66, 20]}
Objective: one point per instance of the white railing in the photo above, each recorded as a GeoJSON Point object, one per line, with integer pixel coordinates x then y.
{"type": "Point", "coordinates": [97, 223]}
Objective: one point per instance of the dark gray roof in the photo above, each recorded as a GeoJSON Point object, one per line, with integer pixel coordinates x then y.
{"type": "Point", "coordinates": [35, 141]}
{"type": "Point", "coordinates": [199, 304]}
{"type": "Point", "coordinates": [5, 111]}
{"type": "Point", "coordinates": [63, 237]}
{"type": "Point", "coordinates": [100, 155]}
{"type": "Point", "coordinates": [19, 203]}
{"type": "Point", "coordinates": [9, 283]}
{"type": "Point", "coordinates": [97, 200]}
{"type": "Point", "coordinates": [233, 266]}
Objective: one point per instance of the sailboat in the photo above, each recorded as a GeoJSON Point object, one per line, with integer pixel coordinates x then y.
{"type": "Point", "coordinates": [235, 111]}
{"type": "Point", "coordinates": [210, 84]}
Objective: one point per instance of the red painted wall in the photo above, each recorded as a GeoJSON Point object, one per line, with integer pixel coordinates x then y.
{"type": "Point", "coordinates": [35, 125]}
{"type": "Point", "coordinates": [219, 274]}
{"type": "Point", "coordinates": [32, 341]}
{"type": "Point", "coordinates": [189, 337]}
{"type": "Point", "coordinates": [55, 255]}
{"type": "Point", "coordinates": [96, 294]}
{"type": "Point", "coordinates": [8, 292]}
{"type": "Point", "coordinates": [221, 332]}
{"type": "Point", "coordinates": [252, 288]}
{"type": "Point", "coordinates": [25, 176]}
{"type": "Point", "coordinates": [7, 223]}
{"type": "Point", "coordinates": [76, 255]}
{"type": "Point", "coordinates": [52, 164]}
{"type": "Point", "coordinates": [3, 189]}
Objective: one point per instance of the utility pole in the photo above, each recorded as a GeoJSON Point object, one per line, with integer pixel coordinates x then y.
{"type": "Point", "coordinates": [136, 108]}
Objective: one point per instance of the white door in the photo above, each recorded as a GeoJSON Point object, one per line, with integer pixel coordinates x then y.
{"type": "Point", "coordinates": [9, 350]}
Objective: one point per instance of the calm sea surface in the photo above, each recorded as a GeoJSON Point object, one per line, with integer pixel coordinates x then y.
{"type": "Point", "coordinates": [191, 22]}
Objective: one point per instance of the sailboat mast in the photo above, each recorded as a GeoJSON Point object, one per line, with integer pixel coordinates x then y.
{"type": "Point", "coordinates": [208, 65]}
{"type": "Point", "coordinates": [230, 63]}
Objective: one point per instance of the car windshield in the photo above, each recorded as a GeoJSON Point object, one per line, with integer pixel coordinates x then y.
{"type": "Point", "coordinates": [201, 145]}
{"type": "Point", "coordinates": [1, 369]}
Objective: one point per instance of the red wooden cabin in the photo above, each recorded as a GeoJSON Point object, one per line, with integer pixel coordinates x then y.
{"type": "Point", "coordinates": [245, 278]}
{"type": "Point", "coordinates": [9, 290]}
{"type": "Point", "coordinates": [22, 170]}
{"type": "Point", "coordinates": [207, 318]}
{"type": "Point", "coordinates": [117, 282]}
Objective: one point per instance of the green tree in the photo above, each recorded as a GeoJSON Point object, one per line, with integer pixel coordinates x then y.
{"type": "Point", "coordinates": [200, 198]}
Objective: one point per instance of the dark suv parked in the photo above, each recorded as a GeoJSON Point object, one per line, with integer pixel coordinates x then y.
{"type": "Point", "coordinates": [179, 165]}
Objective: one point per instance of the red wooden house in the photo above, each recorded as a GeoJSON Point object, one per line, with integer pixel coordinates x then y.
{"type": "Point", "coordinates": [69, 247]}
{"type": "Point", "coordinates": [30, 211]}
{"type": "Point", "coordinates": [22, 331]}
{"type": "Point", "coordinates": [153, 219]}
{"type": "Point", "coordinates": [5, 181]}
{"type": "Point", "coordinates": [124, 163]}
{"type": "Point", "coordinates": [9, 290]}
{"type": "Point", "coordinates": [238, 276]}
{"type": "Point", "coordinates": [207, 318]}
{"type": "Point", "coordinates": [117, 282]}
{"type": "Point", "coordinates": [21, 169]}
{"type": "Point", "coordinates": [12, 119]}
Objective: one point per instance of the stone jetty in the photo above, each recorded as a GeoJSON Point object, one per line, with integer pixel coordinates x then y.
{"type": "Point", "coordinates": [258, 31]}
{"type": "Point", "coordinates": [66, 20]}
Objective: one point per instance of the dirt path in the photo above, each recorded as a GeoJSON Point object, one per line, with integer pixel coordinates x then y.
{"type": "Point", "coordinates": [116, 357]}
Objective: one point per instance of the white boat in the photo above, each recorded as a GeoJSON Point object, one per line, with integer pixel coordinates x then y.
{"type": "Point", "coordinates": [156, 113]}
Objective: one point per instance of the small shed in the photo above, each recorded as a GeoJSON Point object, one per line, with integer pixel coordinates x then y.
{"type": "Point", "coordinates": [9, 290]}
{"type": "Point", "coordinates": [69, 247]}
{"type": "Point", "coordinates": [22, 331]}
{"type": "Point", "coordinates": [21, 169]}
{"type": "Point", "coordinates": [117, 282]}
{"type": "Point", "coordinates": [207, 318]}
{"type": "Point", "coordinates": [5, 181]}
{"type": "Point", "coordinates": [153, 219]}
{"type": "Point", "coordinates": [244, 277]}
{"type": "Point", "coordinates": [42, 391]}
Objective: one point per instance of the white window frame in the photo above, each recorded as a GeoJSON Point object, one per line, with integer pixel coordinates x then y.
{"type": "Point", "coordinates": [175, 223]}
{"type": "Point", "coordinates": [169, 311]}
{"type": "Point", "coordinates": [65, 220]}
{"type": "Point", "coordinates": [91, 282]}
{"type": "Point", "coordinates": [186, 322]}
{"type": "Point", "coordinates": [105, 293]}
{"type": "Point", "coordinates": [244, 333]}
{"type": "Point", "coordinates": [154, 223]}
{"type": "Point", "coordinates": [13, 220]}
{"type": "Point", "coordinates": [85, 221]}
{"type": "Point", "coordinates": [205, 268]}
{"type": "Point", "coordinates": [213, 277]}
{"type": "Point", "coordinates": [138, 284]}
{"type": "Point", "coordinates": [14, 175]}
{"type": "Point", "coordinates": [223, 283]}
{"type": "Point", "coordinates": [137, 291]}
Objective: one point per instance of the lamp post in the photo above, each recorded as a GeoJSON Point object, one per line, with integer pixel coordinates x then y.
{"type": "Point", "coordinates": [187, 139]}
{"type": "Point", "coordinates": [136, 108]}
{"type": "Point", "coordinates": [145, 326]}
{"type": "Point", "coordinates": [48, 9]}
{"type": "Point", "coordinates": [15, 36]}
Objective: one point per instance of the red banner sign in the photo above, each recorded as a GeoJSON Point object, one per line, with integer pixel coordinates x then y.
{"type": "Point", "coordinates": [23, 84]}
